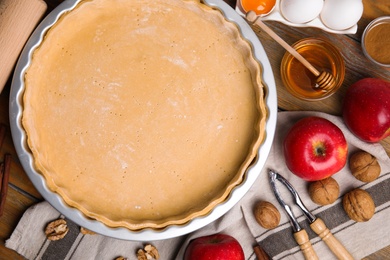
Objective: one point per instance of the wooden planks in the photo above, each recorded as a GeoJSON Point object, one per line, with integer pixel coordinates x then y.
{"type": "Point", "coordinates": [357, 65]}
{"type": "Point", "coordinates": [18, 177]}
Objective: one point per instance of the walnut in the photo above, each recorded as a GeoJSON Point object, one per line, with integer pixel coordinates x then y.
{"type": "Point", "coordinates": [359, 205]}
{"type": "Point", "coordinates": [152, 251]}
{"type": "Point", "coordinates": [364, 166]}
{"type": "Point", "coordinates": [85, 231]}
{"type": "Point", "coordinates": [149, 252]}
{"type": "Point", "coordinates": [266, 214]}
{"type": "Point", "coordinates": [141, 255]}
{"type": "Point", "coordinates": [324, 192]}
{"type": "Point", "coordinates": [56, 229]}
{"type": "Point", "coordinates": [121, 258]}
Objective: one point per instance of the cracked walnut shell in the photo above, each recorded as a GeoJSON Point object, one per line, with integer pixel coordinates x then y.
{"type": "Point", "coordinates": [56, 229]}
{"type": "Point", "coordinates": [324, 192]}
{"type": "Point", "coordinates": [364, 166]}
{"type": "Point", "coordinates": [266, 214]}
{"type": "Point", "coordinates": [359, 205]}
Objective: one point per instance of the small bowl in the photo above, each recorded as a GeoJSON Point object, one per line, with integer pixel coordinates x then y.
{"type": "Point", "coordinates": [263, 9]}
{"type": "Point", "coordinates": [299, 81]}
{"type": "Point", "coordinates": [372, 35]}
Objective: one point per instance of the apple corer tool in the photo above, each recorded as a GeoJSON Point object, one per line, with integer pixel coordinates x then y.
{"type": "Point", "coordinates": [316, 224]}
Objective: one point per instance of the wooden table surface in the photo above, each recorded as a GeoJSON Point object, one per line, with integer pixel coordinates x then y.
{"type": "Point", "coordinates": [22, 194]}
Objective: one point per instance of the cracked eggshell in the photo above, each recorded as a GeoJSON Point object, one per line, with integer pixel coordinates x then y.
{"type": "Point", "coordinates": [300, 11]}
{"type": "Point", "coordinates": [341, 14]}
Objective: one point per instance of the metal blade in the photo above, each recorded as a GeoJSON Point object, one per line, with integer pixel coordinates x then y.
{"type": "Point", "coordinates": [297, 198]}
{"type": "Point", "coordinates": [273, 176]}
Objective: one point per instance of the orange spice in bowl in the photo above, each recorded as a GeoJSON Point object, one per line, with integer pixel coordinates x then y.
{"type": "Point", "coordinates": [260, 7]}
{"type": "Point", "coordinates": [376, 41]}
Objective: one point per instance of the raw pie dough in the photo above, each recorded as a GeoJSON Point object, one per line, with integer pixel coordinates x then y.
{"type": "Point", "coordinates": [143, 114]}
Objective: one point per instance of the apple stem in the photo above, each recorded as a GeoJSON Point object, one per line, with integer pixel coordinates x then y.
{"type": "Point", "coordinates": [320, 151]}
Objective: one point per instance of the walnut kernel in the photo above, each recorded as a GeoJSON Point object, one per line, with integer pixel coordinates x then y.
{"type": "Point", "coordinates": [149, 252]}
{"type": "Point", "coordinates": [152, 251]}
{"type": "Point", "coordinates": [56, 229]}
{"type": "Point", "coordinates": [364, 166]}
{"type": "Point", "coordinates": [85, 231]}
{"type": "Point", "coordinates": [359, 205]}
{"type": "Point", "coordinates": [324, 192]}
{"type": "Point", "coordinates": [141, 255]}
{"type": "Point", "coordinates": [266, 214]}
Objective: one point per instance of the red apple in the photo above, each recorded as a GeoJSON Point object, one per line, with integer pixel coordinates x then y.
{"type": "Point", "coordinates": [216, 247]}
{"type": "Point", "coordinates": [315, 148]}
{"type": "Point", "coordinates": [366, 109]}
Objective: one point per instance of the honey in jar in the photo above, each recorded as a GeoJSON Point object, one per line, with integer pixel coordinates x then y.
{"type": "Point", "coordinates": [300, 81]}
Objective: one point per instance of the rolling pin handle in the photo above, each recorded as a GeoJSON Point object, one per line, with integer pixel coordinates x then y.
{"type": "Point", "coordinates": [18, 19]}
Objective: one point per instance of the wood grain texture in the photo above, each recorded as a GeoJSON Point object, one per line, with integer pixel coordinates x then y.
{"type": "Point", "coordinates": [18, 177]}
{"type": "Point", "coordinates": [22, 194]}
{"type": "Point", "coordinates": [357, 65]}
{"type": "Point", "coordinates": [355, 62]}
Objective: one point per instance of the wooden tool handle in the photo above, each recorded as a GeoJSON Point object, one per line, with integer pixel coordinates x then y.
{"type": "Point", "coordinates": [18, 19]}
{"type": "Point", "coordinates": [324, 233]}
{"type": "Point", "coordinates": [253, 18]}
{"type": "Point", "coordinates": [260, 253]}
{"type": "Point", "coordinates": [304, 243]}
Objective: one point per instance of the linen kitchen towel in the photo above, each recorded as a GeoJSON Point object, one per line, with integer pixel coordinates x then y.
{"type": "Point", "coordinates": [360, 238]}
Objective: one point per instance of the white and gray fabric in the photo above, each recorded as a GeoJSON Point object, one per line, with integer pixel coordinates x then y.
{"type": "Point", "coordinates": [360, 238]}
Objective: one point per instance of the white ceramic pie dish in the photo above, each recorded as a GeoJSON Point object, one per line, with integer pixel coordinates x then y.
{"type": "Point", "coordinates": [19, 135]}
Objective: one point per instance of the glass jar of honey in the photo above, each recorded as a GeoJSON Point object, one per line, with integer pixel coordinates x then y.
{"type": "Point", "coordinates": [299, 81]}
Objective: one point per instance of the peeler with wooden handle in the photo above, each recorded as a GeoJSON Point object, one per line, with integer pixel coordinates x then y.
{"type": "Point", "coordinates": [316, 224]}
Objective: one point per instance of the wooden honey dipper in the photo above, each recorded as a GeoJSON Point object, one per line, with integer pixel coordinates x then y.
{"type": "Point", "coordinates": [325, 80]}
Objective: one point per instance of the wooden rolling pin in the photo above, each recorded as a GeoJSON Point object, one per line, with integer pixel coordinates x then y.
{"type": "Point", "coordinates": [18, 19]}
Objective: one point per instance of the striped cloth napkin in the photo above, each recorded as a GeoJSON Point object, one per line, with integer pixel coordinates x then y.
{"type": "Point", "coordinates": [360, 238]}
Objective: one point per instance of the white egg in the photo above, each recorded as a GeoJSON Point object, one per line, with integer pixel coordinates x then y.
{"type": "Point", "coordinates": [300, 11]}
{"type": "Point", "coordinates": [341, 14]}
